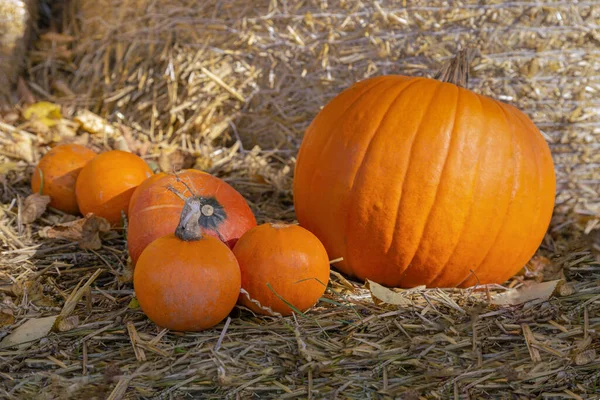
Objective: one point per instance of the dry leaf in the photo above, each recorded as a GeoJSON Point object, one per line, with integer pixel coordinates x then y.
{"type": "Point", "coordinates": [34, 292]}
{"type": "Point", "coordinates": [86, 231]}
{"type": "Point", "coordinates": [24, 92]}
{"type": "Point", "coordinates": [62, 87]}
{"type": "Point", "coordinates": [176, 160]}
{"type": "Point", "coordinates": [6, 318]}
{"type": "Point", "coordinates": [535, 291]}
{"type": "Point", "coordinates": [134, 304]}
{"type": "Point", "coordinates": [93, 123]}
{"type": "Point", "coordinates": [67, 324]}
{"type": "Point", "coordinates": [121, 144]}
{"type": "Point", "coordinates": [11, 117]}
{"type": "Point", "coordinates": [565, 289]}
{"type": "Point", "coordinates": [541, 269]}
{"type": "Point", "coordinates": [585, 357]}
{"type": "Point", "coordinates": [131, 142]}
{"type": "Point", "coordinates": [534, 269]}
{"type": "Point", "coordinates": [44, 112]}
{"type": "Point", "coordinates": [382, 294]}
{"type": "Point", "coordinates": [8, 166]}
{"type": "Point", "coordinates": [93, 226]}
{"type": "Point", "coordinates": [63, 130]}
{"type": "Point", "coordinates": [22, 148]}
{"type": "Point", "coordinates": [82, 139]}
{"type": "Point", "coordinates": [34, 206]}
{"type": "Point", "coordinates": [30, 331]}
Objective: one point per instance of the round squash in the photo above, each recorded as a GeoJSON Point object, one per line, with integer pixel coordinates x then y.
{"type": "Point", "coordinates": [57, 172]}
{"type": "Point", "coordinates": [281, 262]}
{"type": "Point", "coordinates": [415, 181]}
{"type": "Point", "coordinates": [186, 281]}
{"type": "Point", "coordinates": [105, 185]}
{"type": "Point", "coordinates": [154, 211]}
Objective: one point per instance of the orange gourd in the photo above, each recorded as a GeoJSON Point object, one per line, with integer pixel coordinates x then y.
{"type": "Point", "coordinates": [154, 211]}
{"type": "Point", "coordinates": [416, 181]}
{"type": "Point", "coordinates": [186, 281]}
{"type": "Point", "coordinates": [57, 172]}
{"type": "Point", "coordinates": [280, 261]}
{"type": "Point", "coordinates": [105, 185]}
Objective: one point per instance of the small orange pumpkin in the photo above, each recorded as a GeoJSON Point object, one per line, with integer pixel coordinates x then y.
{"type": "Point", "coordinates": [416, 181]}
{"type": "Point", "coordinates": [105, 185]}
{"type": "Point", "coordinates": [57, 172]}
{"type": "Point", "coordinates": [186, 281]}
{"type": "Point", "coordinates": [280, 261]}
{"type": "Point", "coordinates": [154, 211]}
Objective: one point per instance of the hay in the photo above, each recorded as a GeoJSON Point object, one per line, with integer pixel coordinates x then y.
{"type": "Point", "coordinates": [17, 19]}
{"type": "Point", "coordinates": [197, 85]}
{"type": "Point", "coordinates": [276, 64]}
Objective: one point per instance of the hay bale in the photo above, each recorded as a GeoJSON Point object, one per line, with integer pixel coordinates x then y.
{"type": "Point", "coordinates": [197, 71]}
{"type": "Point", "coordinates": [17, 19]}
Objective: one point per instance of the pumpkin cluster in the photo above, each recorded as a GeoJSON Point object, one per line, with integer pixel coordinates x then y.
{"type": "Point", "coordinates": [408, 181]}
{"type": "Point", "coordinates": [193, 240]}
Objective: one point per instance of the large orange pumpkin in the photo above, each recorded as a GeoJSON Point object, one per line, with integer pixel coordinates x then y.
{"type": "Point", "coordinates": [105, 185]}
{"type": "Point", "coordinates": [154, 211]}
{"type": "Point", "coordinates": [186, 281]}
{"type": "Point", "coordinates": [280, 261]}
{"type": "Point", "coordinates": [57, 172]}
{"type": "Point", "coordinates": [414, 181]}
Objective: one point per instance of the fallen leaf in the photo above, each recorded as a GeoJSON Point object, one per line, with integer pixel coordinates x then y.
{"type": "Point", "coordinates": [541, 269]}
{"type": "Point", "coordinates": [93, 226]}
{"type": "Point", "coordinates": [22, 147]}
{"type": "Point", "coordinates": [67, 324]}
{"type": "Point", "coordinates": [34, 206]}
{"type": "Point", "coordinates": [86, 231]}
{"type": "Point", "coordinates": [8, 166]}
{"type": "Point", "coordinates": [24, 92]}
{"type": "Point", "coordinates": [381, 294]}
{"type": "Point", "coordinates": [44, 112]}
{"type": "Point", "coordinates": [585, 357]}
{"type": "Point", "coordinates": [6, 318]}
{"type": "Point", "coordinates": [131, 142]}
{"type": "Point", "coordinates": [535, 291]}
{"type": "Point", "coordinates": [565, 289]}
{"type": "Point", "coordinates": [82, 139]}
{"type": "Point", "coordinates": [170, 161]}
{"type": "Point", "coordinates": [30, 331]}
{"type": "Point", "coordinates": [93, 123]}
{"type": "Point", "coordinates": [62, 87]}
{"type": "Point", "coordinates": [34, 292]}
{"type": "Point", "coordinates": [134, 304]}
{"type": "Point", "coordinates": [11, 117]}
{"type": "Point", "coordinates": [111, 371]}
{"type": "Point", "coordinates": [63, 130]}
{"type": "Point", "coordinates": [121, 144]}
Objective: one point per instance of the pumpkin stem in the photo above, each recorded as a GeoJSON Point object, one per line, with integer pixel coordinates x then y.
{"type": "Point", "coordinates": [188, 228]}
{"type": "Point", "coordinates": [177, 192]}
{"type": "Point", "coordinates": [457, 70]}
{"type": "Point", "coordinates": [199, 214]}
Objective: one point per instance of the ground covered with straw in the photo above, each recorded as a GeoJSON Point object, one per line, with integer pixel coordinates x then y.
{"type": "Point", "coordinates": [229, 87]}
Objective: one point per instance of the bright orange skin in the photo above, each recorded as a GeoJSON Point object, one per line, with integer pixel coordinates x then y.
{"type": "Point", "coordinates": [288, 257]}
{"type": "Point", "coordinates": [418, 182]}
{"type": "Point", "coordinates": [60, 168]}
{"type": "Point", "coordinates": [142, 187]}
{"type": "Point", "coordinates": [155, 211]}
{"type": "Point", "coordinates": [106, 184]}
{"type": "Point", "coordinates": [187, 286]}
